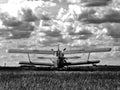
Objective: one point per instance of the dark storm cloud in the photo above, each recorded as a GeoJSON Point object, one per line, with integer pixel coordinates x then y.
{"type": "Point", "coordinates": [91, 3]}
{"type": "Point", "coordinates": [84, 34]}
{"type": "Point", "coordinates": [110, 16]}
{"type": "Point", "coordinates": [28, 15]}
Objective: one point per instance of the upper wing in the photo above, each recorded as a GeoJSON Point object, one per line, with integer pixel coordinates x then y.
{"type": "Point", "coordinates": [88, 50]}
{"type": "Point", "coordinates": [30, 51]}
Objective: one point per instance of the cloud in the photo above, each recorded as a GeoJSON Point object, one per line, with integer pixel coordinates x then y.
{"type": "Point", "coordinates": [82, 34]}
{"type": "Point", "coordinates": [54, 33]}
{"type": "Point", "coordinates": [53, 41]}
{"type": "Point", "coordinates": [25, 26]}
{"type": "Point", "coordinates": [22, 31]}
{"type": "Point", "coordinates": [14, 28]}
{"type": "Point", "coordinates": [45, 17]}
{"type": "Point", "coordinates": [51, 36]}
{"type": "Point", "coordinates": [9, 21]}
{"type": "Point", "coordinates": [19, 34]}
{"type": "Point", "coordinates": [112, 16]}
{"type": "Point", "coordinates": [43, 14]}
{"type": "Point", "coordinates": [14, 22]}
{"type": "Point", "coordinates": [4, 32]}
{"type": "Point", "coordinates": [113, 30]}
{"type": "Point", "coordinates": [91, 3]}
{"type": "Point", "coordinates": [28, 15]}
{"type": "Point", "coordinates": [17, 24]}
{"type": "Point", "coordinates": [14, 34]}
{"type": "Point", "coordinates": [86, 14]}
{"type": "Point", "coordinates": [3, 1]}
{"type": "Point", "coordinates": [109, 16]}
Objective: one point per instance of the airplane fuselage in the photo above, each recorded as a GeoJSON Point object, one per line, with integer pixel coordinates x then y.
{"type": "Point", "coordinates": [61, 60]}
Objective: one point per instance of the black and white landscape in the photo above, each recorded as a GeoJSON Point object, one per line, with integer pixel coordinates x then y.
{"type": "Point", "coordinates": [73, 24]}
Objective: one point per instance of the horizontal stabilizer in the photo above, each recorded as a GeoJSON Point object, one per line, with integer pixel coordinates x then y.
{"type": "Point", "coordinates": [89, 50]}
{"type": "Point", "coordinates": [35, 63]}
{"type": "Point", "coordinates": [83, 62]}
{"type": "Point", "coordinates": [30, 51]}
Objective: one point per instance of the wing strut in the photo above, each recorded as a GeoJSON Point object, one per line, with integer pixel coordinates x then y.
{"type": "Point", "coordinates": [88, 56]}
{"type": "Point", "coordinates": [29, 58]}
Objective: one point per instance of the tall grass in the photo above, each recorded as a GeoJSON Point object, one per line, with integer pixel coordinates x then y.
{"type": "Point", "coordinates": [59, 80]}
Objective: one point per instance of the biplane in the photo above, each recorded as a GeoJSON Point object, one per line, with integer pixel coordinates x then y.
{"type": "Point", "coordinates": [61, 60]}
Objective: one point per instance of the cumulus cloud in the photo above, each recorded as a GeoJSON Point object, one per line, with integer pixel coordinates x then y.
{"type": "Point", "coordinates": [109, 16]}
{"type": "Point", "coordinates": [86, 14]}
{"type": "Point", "coordinates": [14, 34]}
{"type": "Point", "coordinates": [50, 36]}
{"type": "Point", "coordinates": [3, 1]}
{"type": "Point", "coordinates": [82, 34]}
{"type": "Point", "coordinates": [55, 33]}
{"type": "Point", "coordinates": [25, 26]}
{"type": "Point", "coordinates": [28, 15]}
{"type": "Point", "coordinates": [53, 41]}
{"type": "Point", "coordinates": [9, 21]}
{"type": "Point", "coordinates": [4, 32]}
{"type": "Point", "coordinates": [44, 14]}
{"type": "Point", "coordinates": [113, 30]}
{"type": "Point", "coordinates": [112, 16]}
{"type": "Point", "coordinates": [19, 34]}
{"type": "Point", "coordinates": [15, 28]}
{"type": "Point", "coordinates": [91, 3]}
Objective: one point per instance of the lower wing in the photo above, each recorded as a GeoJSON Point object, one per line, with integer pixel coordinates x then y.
{"type": "Point", "coordinates": [36, 63]}
{"type": "Point", "coordinates": [82, 63]}
{"type": "Point", "coordinates": [74, 57]}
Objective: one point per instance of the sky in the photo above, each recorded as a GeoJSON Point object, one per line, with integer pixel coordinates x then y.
{"type": "Point", "coordinates": [72, 24]}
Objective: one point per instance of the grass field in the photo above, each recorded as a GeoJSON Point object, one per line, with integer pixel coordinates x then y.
{"type": "Point", "coordinates": [59, 80]}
